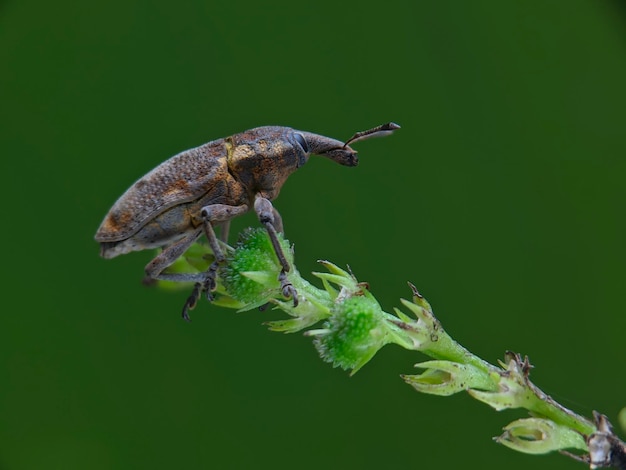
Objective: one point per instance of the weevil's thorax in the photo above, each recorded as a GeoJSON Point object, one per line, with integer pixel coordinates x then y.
{"type": "Point", "coordinates": [263, 158]}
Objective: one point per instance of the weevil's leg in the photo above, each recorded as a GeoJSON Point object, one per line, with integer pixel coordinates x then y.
{"type": "Point", "coordinates": [224, 229]}
{"type": "Point", "coordinates": [211, 214]}
{"type": "Point", "coordinates": [205, 281]}
{"type": "Point", "coordinates": [278, 221]}
{"type": "Point", "coordinates": [209, 283]}
{"type": "Point", "coordinates": [265, 212]}
{"type": "Point", "coordinates": [216, 214]}
{"type": "Point", "coordinates": [154, 269]}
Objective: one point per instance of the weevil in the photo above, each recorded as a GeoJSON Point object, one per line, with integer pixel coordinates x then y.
{"type": "Point", "coordinates": [205, 187]}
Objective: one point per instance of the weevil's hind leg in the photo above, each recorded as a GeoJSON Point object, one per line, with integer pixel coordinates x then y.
{"type": "Point", "coordinates": [154, 269]}
{"type": "Point", "coordinates": [216, 213]}
{"type": "Point", "coordinates": [267, 216]}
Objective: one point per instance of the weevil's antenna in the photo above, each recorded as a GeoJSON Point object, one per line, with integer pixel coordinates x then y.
{"type": "Point", "coordinates": [378, 131]}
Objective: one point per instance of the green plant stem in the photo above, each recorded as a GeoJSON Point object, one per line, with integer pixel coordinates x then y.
{"type": "Point", "coordinates": [354, 327]}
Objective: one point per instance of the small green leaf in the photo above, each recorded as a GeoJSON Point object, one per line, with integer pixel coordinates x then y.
{"type": "Point", "coordinates": [447, 378]}
{"type": "Point", "coordinates": [540, 436]}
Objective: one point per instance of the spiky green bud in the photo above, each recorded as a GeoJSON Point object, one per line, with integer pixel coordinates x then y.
{"type": "Point", "coordinates": [250, 274]}
{"type": "Point", "coordinates": [352, 335]}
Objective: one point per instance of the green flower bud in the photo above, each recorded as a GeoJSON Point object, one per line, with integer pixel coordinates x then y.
{"type": "Point", "coordinates": [250, 274]}
{"type": "Point", "coordinates": [353, 334]}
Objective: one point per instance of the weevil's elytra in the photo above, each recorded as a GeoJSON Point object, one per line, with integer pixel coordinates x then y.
{"type": "Point", "coordinates": [207, 186]}
{"type": "Point", "coordinates": [183, 178]}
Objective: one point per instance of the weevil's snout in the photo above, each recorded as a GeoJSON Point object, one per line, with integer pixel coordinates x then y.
{"type": "Point", "coordinates": [330, 148]}
{"type": "Point", "coordinates": [344, 156]}
{"type": "Point", "coordinates": [341, 152]}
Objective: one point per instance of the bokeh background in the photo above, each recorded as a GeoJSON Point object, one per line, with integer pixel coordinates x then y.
{"type": "Point", "coordinates": [502, 199]}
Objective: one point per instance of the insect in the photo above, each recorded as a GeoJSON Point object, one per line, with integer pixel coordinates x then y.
{"type": "Point", "coordinates": [205, 187]}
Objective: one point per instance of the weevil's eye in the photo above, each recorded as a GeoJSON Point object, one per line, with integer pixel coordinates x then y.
{"type": "Point", "coordinates": [301, 140]}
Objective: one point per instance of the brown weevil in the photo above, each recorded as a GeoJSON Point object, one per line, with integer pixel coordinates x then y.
{"type": "Point", "coordinates": [207, 186]}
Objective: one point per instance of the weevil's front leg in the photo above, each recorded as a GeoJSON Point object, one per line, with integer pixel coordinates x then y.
{"type": "Point", "coordinates": [266, 213]}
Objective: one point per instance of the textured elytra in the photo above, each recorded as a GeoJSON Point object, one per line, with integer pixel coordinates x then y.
{"type": "Point", "coordinates": [248, 156]}
{"type": "Point", "coordinates": [182, 178]}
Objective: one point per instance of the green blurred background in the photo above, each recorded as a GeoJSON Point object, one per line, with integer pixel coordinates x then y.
{"type": "Point", "coordinates": [501, 198]}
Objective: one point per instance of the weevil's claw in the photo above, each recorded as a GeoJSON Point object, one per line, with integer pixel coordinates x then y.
{"type": "Point", "coordinates": [207, 286]}
{"type": "Point", "coordinates": [287, 288]}
{"type": "Point", "coordinates": [263, 307]}
{"type": "Point", "coordinates": [191, 302]}
{"type": "Point", "coordinates": [186, 314]}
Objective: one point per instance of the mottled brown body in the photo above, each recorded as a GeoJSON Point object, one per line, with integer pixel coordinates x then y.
{"type": "Point", "coordinates": [207, 186]}
{"type": "Point", "coordinates": [167, 201]}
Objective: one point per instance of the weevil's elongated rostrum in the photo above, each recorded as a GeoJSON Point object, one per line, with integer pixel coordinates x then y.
{"type": "Point", "coordinates": [207, 186]}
